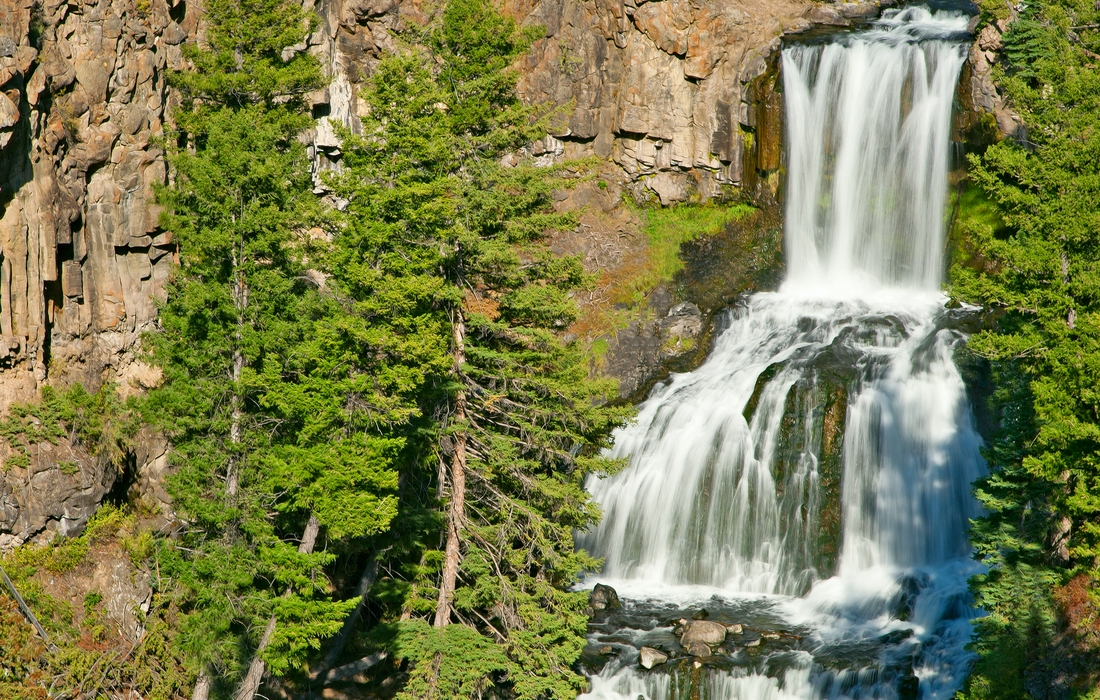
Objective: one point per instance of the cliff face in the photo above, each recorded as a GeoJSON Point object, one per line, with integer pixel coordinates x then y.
{"type": "Point", "coordinates": [668, 89]}
{"type": "Point", "coordinates": [82, 107]}
{"type": "Point", "coordinates": [83, 101]}
{"type": "Point", "coordinates": [682, 94]}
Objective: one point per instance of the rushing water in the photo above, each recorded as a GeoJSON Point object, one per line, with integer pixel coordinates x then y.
{"type": "Point", "coordinates": [814, 474]}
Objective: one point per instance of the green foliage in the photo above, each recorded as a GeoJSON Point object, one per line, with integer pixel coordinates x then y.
{"type": "Point", "coordinates": [22, 676]}
{"type": "Point", "coordinates": [1034, 260]}
{"type": "Point", "coordinates": [271, 410]}
{"type": "Point", "coordinates": [241, 61]}
{"type": "Point", "coordinates": [468, 662]}
{"type": "Point", "coordinates": [438, 232]}
{"type": "Point", "coordinates": [311, 373]}
{"type": "Point", "coordinates": [1019, 628]}
{"type": "Point", "coordinates": [98, 422]}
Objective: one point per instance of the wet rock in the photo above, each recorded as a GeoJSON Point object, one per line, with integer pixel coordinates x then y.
{"type": "Point", "coordinates": [908, 687]}
{"type": "Point", "coordinates": [604, 598]}
{"type": "Point", "coordinates": [704, 632]}
{"type": "Point", "coordinates": [698, 614]}
{"type": "Point", "coordinates": [593, 659]}
{"type": "Point", "coordinates": [699, 649]}
{"type": "Point", "coordinates": [650, 657]}
{"type": "Point", "coordinates": [896, 637]}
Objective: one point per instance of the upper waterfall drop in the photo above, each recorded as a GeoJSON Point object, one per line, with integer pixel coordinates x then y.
{"type": "Point", "coordinates": [868, 128]}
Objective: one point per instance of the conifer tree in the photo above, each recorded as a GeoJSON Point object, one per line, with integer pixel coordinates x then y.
{"type": "Point", "coordinates": [1034, 260]}
{"type": "Point", "coordinates": [445, 247]}
{"type": "Point", "coordinates": [272, 421]}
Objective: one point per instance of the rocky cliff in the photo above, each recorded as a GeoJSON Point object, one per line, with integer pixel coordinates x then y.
{"type": "Point", "coordinates": [82, 108]}
{"type": "Point", "coordinates": [669, 90]}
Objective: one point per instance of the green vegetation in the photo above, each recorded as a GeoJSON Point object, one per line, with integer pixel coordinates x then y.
{"type": "Point", "coordinates": [670, 227]}
{"type": "Point", "coordinates": [1029, 241]}
{"type": "Point", "coordinates": [626, 286]}
{"type": "Point", "coordinates": [97, 422]}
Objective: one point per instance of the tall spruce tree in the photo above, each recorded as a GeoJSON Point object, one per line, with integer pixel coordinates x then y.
{"type": "Point", "coordinates": [445, 248]}
{"type": "Point", "coordinates": [1032, 255]}
{"type": "Point", "coordinates": [273, 424]}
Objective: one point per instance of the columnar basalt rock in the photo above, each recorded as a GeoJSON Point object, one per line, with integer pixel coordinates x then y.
{"type": "Point", "coordinates": [83, 260]}
{"type": "Point", "coordinates": [83, 107]}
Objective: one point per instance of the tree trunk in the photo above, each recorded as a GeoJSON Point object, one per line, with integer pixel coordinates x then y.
{"type": "Point", "coordinates": [370, 573]}
{"type": "Point", "coordinates": [251, 683]}
{"type": "Point", "coordinates": [231, 473]}
{"type": "Point", "coordinates": [26, 610]}
{"type": "Point", "coordinates": [240, 302]}
{"type": "Point", "coordinates": [202, 687]}
{"type": "Point", "coordinates": [457, 513]}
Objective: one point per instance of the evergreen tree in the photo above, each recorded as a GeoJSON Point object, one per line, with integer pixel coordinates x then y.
{"type": "Point", "coordinates": [445, 249]}
{"type": "Point", "coordinates": [1035, 261]}
{"type": "Point", "coordinates": [273, 431]}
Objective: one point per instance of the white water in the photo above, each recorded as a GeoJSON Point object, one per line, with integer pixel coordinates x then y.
{"type": "Point", "coordinates": [737, 486]}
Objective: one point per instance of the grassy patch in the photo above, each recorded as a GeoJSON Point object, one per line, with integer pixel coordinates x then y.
{"type": "Point", "coordinates": [669, 228]}
{"type": "Point", "coordinates": [624, 287]}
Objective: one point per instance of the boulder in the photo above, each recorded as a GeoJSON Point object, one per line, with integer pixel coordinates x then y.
{"type": "Point", "coordinates": [908, 687]}
{"type": "Point", "coordinates": [604, 598]}
{"type": "Point", "coordinates": [699, 649]}
{"type": "Point", "coordinates": [703, 632]}
{"type": "Point", "coordinates": [651, 657]}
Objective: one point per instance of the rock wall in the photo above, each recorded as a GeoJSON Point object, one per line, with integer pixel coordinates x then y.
{"type": "Point", "coordinates": [83, 104]}
{"type": "Point", "coordinates": [83, 99]}
{"type": "Point", "coordinates": [677, 92]}
{"type": "Point", "coordinates": [985, 114]}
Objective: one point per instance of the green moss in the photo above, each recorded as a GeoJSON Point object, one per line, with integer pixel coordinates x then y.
{"type": "Point", "coordinates": [977, 223]}
{"type": "Point", "coordinates": [667, 229]}
{"type": "Point", "coordinates": [994, 9]}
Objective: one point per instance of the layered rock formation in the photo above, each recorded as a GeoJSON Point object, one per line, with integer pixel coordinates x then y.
{"type": "Point", "coordinates": [83, 105]}
{"type": "Point", "coordinates": [677, 92]}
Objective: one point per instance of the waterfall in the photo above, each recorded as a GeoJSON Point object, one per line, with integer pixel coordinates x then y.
{"type": "Point", "coordinates": [819, 463]}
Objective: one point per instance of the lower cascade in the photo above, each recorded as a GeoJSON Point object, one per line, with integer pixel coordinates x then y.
{"type": "Point", "coordinates": [792, 520]}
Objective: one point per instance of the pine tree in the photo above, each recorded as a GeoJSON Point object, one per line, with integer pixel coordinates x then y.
{"type": "Point", "coordinates": [273, 423]}
{"type": "Point", "coordinates": [1035, 263]}
{"type": "Point", "coordinates": [445, 248]}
